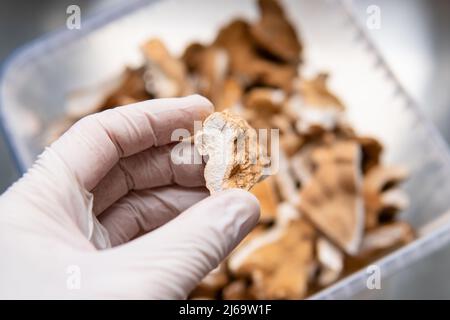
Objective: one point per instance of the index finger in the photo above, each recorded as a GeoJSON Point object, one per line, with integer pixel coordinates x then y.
{"type": "Point", "coordinates": [93, 145]}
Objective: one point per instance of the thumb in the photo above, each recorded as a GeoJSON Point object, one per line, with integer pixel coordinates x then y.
{"type": "Point", "coordinates": [171, 260]}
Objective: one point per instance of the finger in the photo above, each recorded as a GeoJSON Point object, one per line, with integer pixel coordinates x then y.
{"type": "Point", "coordinates": [94, 144]}
{"type": "Point", "coordinates": [180, 253]}
{"type": "Point", "coordinates": [142, 211]}
{"type": "Point", "coordinates": [155, 167]}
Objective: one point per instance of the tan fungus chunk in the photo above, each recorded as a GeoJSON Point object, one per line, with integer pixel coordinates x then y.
{"type": "Point", "coordinates": [332, 198]}
{"type": "Point", "coordinates": [234, 157]}
{"type": "Point", "coordinates": [165, 76]}
{"type": "Point", "coordinates": [275, 34]}
{"type": "Point", "coordinates": [379, 195]}
{"type": "Point", "coordinates": [280, 261]}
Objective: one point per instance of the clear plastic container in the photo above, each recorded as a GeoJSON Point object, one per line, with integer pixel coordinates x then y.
{"type": "Point", "coordinates": [36, 80]}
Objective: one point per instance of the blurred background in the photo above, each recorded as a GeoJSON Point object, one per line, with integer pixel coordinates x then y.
{"type": "Point", "coordinates": [413, 38]}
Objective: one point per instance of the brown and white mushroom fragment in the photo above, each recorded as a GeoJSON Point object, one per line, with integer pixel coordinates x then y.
{"type": "Point", "coordinates": [229, 97]}
{"type": "Point", "coordinates": [385, 237]}
{"type": "Point", "coordinates": [208, 66]}
{"type": "Point", "coordinates": [165, 76]}
{"type": "Point", "coordinates": [131, 89]}
{"type": "Point", "coordinates": [237, 290]}
{"type": "Point", "coordinates": [331, 262]}
{"type": "Point", "coordinates": [302, 165]}
{"type": "Point", "coordinates": [315, 92]}
{"type": "Point", "coordinates": [234, 157]}
{"type": "Point", "coordinates": [192, 56]}
{"type": "Point", "coordinates": [278, 262]}
{"type": "Point", "coordinates": [371, 152]}
{"type": "Point", "coordinates": [265, 100]}
{"type": "Point", "coordinates": [263, 109]}
{"type": "Point", "coordinates": [274, 33]}
{"type": "Point", "coordinates": [314, 107]}
{"type": "Point", "coordinates": [245, 62]}
{"type": "Point", "coordinates": [382, 199]}
{"type": "Point", "coordinates": [332, 199]}
{"type": "Point", "coordinates": [264, 191]}
{"type": "Point", "coordinates": [285, 181]}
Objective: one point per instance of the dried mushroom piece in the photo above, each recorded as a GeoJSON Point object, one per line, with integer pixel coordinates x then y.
{"type": "Point", "coordinates": [315, 107]}
{"type": "Point", "coordinates": [165, 76]}
{"type": "Point", "coordinates": [386, 237]}
{"type": "Point", "coordinates": [287, 185]}
{"type": "Point", "coordinates": [265, 100]}
{"type": "Point", "coordinates": [264, 109]}
{"type": "Point", "coordinates": [331, 262]}
{"type": "Point", "coordinates": [371, 152]}
{"type": "Point", "coordinates": [234, 158]}
{"type": "Point", "coordinates": [209, 68]}
{"type": "Point", "coordinates": [192, 56]}
{"type": "Point", "coordinates": [279, 262]}
{"type": "Point", "coordinates": [382, 199]}
{"type": "Point", "coordinates": [332, 198]}
{"type": "Point", "coordinates": [131, 90]}
{"type": "Point", "coordinates": [264, 191]}
{"type": "Point", "coordinates": [302, 165]}
{"type": "Point", "coordinates": [245, 62]}
{"type": "Point", "coordinates": [237, 290]}
{"type": "Point", "coordinates": [315, 93]}
{"type": "Point", "coordinates": [380, 241]}
{"type": "Point", "coordinates": [275, 34]}
{"type": "Point", "coordinates": [229, 97]}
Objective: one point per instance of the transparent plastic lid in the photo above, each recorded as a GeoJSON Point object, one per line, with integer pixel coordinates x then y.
{"type": "Point", "coordinates": [36, 81]}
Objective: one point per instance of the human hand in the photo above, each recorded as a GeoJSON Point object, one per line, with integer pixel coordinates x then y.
{"type": "Point", "coordinates": [109, 181]}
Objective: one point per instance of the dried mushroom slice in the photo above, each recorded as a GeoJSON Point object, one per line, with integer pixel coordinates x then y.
{"type": "Point", "coordinates": [131, 90]}
{"type": "Point", "coordinates": [192, 56]}
{"type": "Point", "coordinates": [234, 158]}
{"type": "Point", "coordinates": [315, 93]}
{"type": "Point", "coordinates": [209, 69]}
{"type": "Point", "coordinates": [278, 262]}
{"type": "Point", "coordinates": [382, 199]}
{"type": "Point", "coordinates": [386, 237]}
{"type": "Point", "coordinates": [265, 100]}
{"type": "Point", "coordinates": [165, 76]}
{"type": "Point", "coordinates": [275, 34]}
{"type": "Point", "coordinates": [380, 241]}
{"type": "Point", "coordinates": [371, 152]}
{"type": "Point", "coordinates": [229, 97]}
{"type": "Point", "coordinates": [285, 181]}
{"type": "Point", "coordinates": [332, 198]}
{"type": "Point", "coordinates": [315, 108]}
{"type": "Point", "coordinates": [237, 290]}
{"type": "Point", "coordinates": [302, 165]}
{"type": "Point", "coordinates": [331, 262]}
{"type": "Point", "coordinates": [246, 64]}
{"type": "Point", "coordinates": [265, 192]}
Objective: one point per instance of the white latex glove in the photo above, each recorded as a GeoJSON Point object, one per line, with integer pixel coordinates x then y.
{"type": "Point", "coordinates": [109, 181]}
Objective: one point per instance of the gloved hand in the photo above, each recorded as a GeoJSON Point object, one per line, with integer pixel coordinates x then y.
{"type": "Point", "coordinates": [109, 181]}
